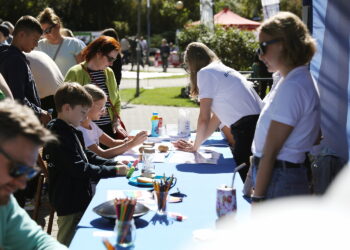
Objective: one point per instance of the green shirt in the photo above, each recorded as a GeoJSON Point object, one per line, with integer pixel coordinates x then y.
{"type": "Point", "coordinates": [2, 95]}
{"type": "Point", "coordinates": [19, 231]}
{"type": "Point", "coordinates": [78, 74]}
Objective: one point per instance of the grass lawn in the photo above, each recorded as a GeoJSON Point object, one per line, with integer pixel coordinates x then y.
{"type": "Point", "coordinates": [158, 96]}
{"type": "Point", "coordinates": [163, 77]}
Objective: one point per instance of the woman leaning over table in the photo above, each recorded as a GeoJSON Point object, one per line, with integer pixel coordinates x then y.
{"type": "Point", "coordinates": [65, 51]}
{"type": "Point", "coordinates": [226, 97]}
{"type": "Point", "coordinates": [289, 123]}
{"type": "Point", "coordinates": [99, 55]}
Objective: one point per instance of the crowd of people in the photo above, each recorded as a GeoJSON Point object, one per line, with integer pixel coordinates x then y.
{"type": "Point", "coordinates": [50, 75]}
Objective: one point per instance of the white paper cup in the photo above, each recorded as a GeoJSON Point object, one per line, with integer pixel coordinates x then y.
{"type": "Point", "coordinates": [226, 201]}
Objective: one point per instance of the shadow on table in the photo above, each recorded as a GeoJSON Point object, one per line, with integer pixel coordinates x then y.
{"type": "Point", "coordinates": [108, 224]}
{"type": "Point", "coordinates": [161, 219]}
{"type": "Point", "coordinates": [216, 143]}
{"type": "Point", "coordinates": [223, 166]}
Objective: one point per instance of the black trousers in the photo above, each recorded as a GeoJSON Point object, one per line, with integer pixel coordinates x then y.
{"type": "Point", "coordinates": [243, 133]}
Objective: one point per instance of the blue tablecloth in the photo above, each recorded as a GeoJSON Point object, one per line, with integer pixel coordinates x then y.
{"type": "Point", "coordinates": [197, 181]}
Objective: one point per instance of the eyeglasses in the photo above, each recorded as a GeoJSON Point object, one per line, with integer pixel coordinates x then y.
{"type": "Point", "coordinates": [18, 169]}
{"type": "Point", "coordinates": [263, 46]}
{"type": "Point", "coordinates": [110, 58]}
{"type": "Point", "coordinates": [49, 29]}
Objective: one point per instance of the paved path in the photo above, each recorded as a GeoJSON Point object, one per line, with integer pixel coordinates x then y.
{"type": "Point", "coordinates": [147, 77]}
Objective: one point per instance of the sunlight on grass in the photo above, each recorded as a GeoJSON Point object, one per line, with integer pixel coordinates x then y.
{"type": "Point", "coordinates": [158, 96]}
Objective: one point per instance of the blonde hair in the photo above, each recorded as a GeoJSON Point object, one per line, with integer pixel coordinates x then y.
{"type": "Point", "coordinates": [95, 92]}
{"type": "Point", "coordinates": [197, 56]}
{"type": "Point", "coordinates": [49, 16]}
{"type": "Point", "coordinates": [19, 120]}
{"type": "Point", "coordinates": [298, 45]}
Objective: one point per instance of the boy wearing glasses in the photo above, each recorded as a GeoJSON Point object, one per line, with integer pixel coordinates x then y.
{"type": "Point", "coordinates": [71, 166]}
{"type": "Point", "coordinates": [19, 126]}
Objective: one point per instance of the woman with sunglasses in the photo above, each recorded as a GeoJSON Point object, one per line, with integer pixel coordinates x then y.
{"type": "Point", "coordinates": [99, 55]}
{"type": "Point", "coordinates": [226, 99]}
{"type": "Point", "coordinates": [289, 123]}
{"type": "Point", "coordinates": [65, 51]}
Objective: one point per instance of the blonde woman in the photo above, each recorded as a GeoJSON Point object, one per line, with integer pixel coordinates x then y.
{"type": "Point", "coordinates": [65, 51]}
{"type": "Point", "coordinates": [226, 98]}
{"type": "Point", "coordinates": [289, 122]}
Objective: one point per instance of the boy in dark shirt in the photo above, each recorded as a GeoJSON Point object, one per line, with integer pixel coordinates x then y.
{"type": "Point", "coordinates": [15, 68]}
{"type": "Point", "coordinates": [71, 166]}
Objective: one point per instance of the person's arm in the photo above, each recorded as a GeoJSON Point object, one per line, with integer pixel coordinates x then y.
{"type": "Point", "coordinates": [5, 88]}
{"type": "Point", "coordinates": [23, 233]}
{"type": "Point", "coordinates": [16, 75]}
{"type": "Point", "coordinates": [118, 149]}
{"type": "Point", "coordinates": [277, 135]}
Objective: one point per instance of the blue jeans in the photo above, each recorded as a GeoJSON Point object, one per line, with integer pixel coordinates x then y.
{"type": "Point", "coordinates": [285, 182]}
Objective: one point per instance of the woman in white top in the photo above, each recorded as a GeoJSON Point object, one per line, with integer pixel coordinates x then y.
{"type": "Point", "coordinates": [226, 97]}
{"type": "Point", "coordinates": [65, 51]}
{"type": "Point", "coordinates": [289, 123]}
{"type": "Point", "coordinates": [93, 135]}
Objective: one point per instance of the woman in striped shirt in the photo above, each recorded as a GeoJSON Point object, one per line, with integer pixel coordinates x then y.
{"type": "Point", "coordinates": [99, 55]}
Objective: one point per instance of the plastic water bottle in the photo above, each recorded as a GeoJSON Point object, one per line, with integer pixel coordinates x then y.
{"type": "Point", "coordinates": [184, 125]}
{"type": "Point", "coordinates": [155, 121]}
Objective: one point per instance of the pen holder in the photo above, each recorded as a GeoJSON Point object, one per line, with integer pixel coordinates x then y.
{"type": "Point", "coordinates": [161, 200]}
{"type": "Point", "coordinates": [126, 232]}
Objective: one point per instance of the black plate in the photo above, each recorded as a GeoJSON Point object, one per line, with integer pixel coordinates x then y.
{"type": "Point", "coordinates": [107, 210]}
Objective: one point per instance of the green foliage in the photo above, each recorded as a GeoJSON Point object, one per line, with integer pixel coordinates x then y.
{"type": "Point", "coordinates": [235, 48]}
{"type": "Point", "coordinates": [159, 96]}
{"type": "Point", "coordinates": [122, 28]}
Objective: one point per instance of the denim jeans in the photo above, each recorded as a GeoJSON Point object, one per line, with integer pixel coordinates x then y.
{"type": "Point", "coordinates": [285, 182]}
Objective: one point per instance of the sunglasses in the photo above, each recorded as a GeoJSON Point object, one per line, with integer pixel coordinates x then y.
{"type": "Point", "coordinates": [18, 169]}
{"type": "Point", "coordinates": [263, 46]}
{"type": "Point", "coordinates": [49, 29]}
{"type": "Point", "coordinates": [110, 58]}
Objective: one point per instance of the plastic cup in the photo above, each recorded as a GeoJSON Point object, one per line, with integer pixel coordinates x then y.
{"type": "Point", "coordinates": [226, 201]}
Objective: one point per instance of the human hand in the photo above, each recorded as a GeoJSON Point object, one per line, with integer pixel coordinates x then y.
{"type": "Point", "coordinates": [184, 145]}
{"type": "Point", "coordinates": [122, 170]}
{"type": "Point", "coordinates": [45, 117]}
{"type": "Point", "coordinates": [139, 138]}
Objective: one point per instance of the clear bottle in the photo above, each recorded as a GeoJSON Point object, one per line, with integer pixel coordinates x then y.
{"type": "Point", "coordinates": [155, 121]}
{"type": "Point", "coordinates": [148, 169]}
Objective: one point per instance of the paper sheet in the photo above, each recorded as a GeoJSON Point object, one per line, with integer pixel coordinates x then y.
{"type": "Point", "coordinates": [204, 155]}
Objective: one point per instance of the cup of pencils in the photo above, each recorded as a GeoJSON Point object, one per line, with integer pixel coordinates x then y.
{"type": "Point", "coordinates": [124, 225]}
{"type": "Point", "coordinates": [161, 189]}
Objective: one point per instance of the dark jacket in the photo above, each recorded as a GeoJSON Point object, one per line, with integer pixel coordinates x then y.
{"type": "Point", "coordinates": [15, 69]}
{"type": "Point", "coordinates": [71, 167]}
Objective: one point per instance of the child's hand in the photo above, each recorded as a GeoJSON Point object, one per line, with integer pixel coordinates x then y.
{"type": "Point", "coordinates": [122, 170]}
{"type": "Point", "coordinates": [140, 138]}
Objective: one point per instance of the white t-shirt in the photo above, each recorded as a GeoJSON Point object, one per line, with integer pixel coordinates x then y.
{"type": "Point", "coordinates": [91, 136]}
{"type": "Point", "coordinates": [294, 101]}
{"type": "Point", "coordinates": [47, 75]}
{"type": "Point", "coordinates": [66, 56]}
{"type": "Point", "coordinates": [233, 96]}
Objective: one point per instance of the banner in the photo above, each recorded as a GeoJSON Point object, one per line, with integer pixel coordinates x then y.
{"type": "Point", "coordinates": [270, 7]}
{"type": "Point", "coordinates": [206, 10]}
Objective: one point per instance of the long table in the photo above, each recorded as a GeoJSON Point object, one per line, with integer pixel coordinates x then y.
{"type": "Point", "coordinates": [197, 181]}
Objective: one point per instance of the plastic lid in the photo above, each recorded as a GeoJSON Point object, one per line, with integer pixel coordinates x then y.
{"type": "Point", "coordinates": [149, 150]}
{"type": "Point", "coordinates": [155, 113]}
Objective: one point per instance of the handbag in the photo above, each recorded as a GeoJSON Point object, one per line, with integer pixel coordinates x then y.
{"type": "Point", "coordinates": [120, 129]}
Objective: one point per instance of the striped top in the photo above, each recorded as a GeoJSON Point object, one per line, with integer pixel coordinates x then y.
{"type": "Point", "coordinates": [98, 78]}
